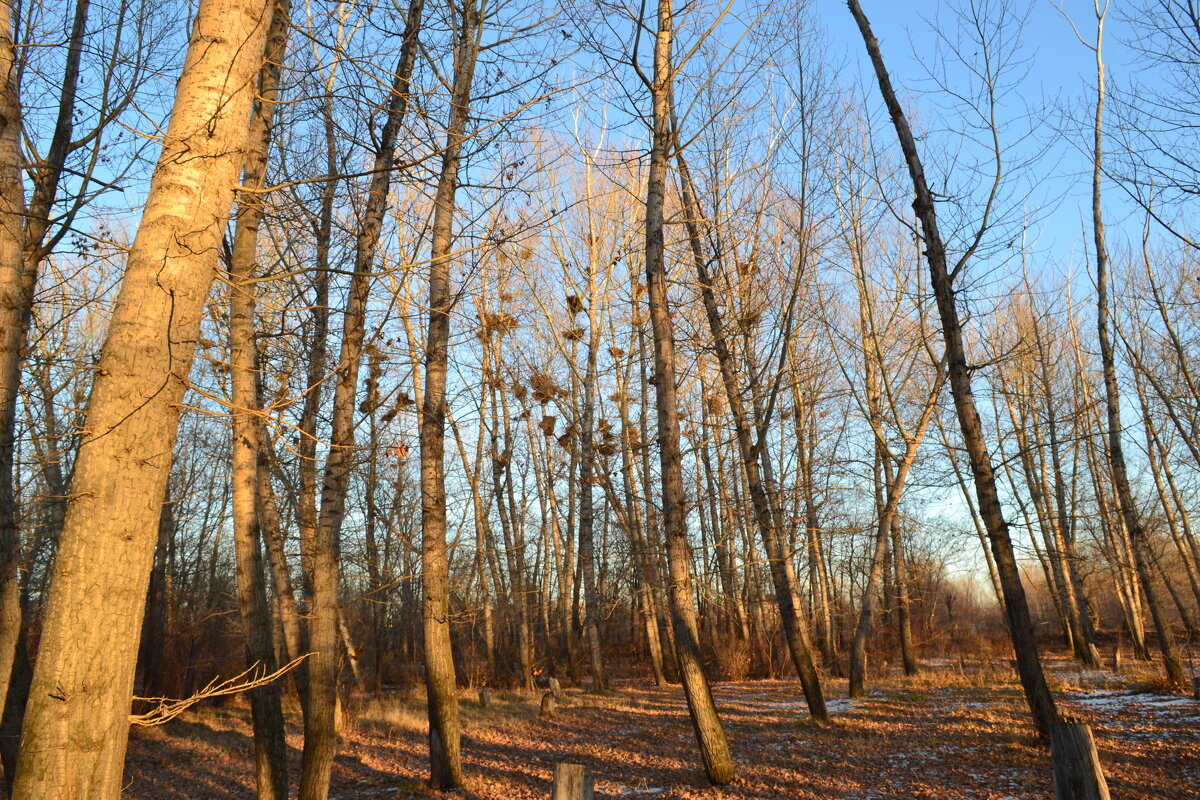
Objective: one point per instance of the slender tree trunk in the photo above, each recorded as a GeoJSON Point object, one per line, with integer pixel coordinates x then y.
{"type": "Point", "coordinates": [587, 458]}
{"type": "Point", "coordinates": [710, 734]}
{"type": "Point", "coordinates": [641, 551]}
{"type": "Point", "coordinates": [265, 704]}
{"type": "Point", "coordinates": [320, 724]}
{"type": "Point", "coordinates": [908, 650]}
{"type": "Point", "coordinates": [782, 572]}
{"type": "Point", "coordinates": [888, 519]}
{"type": "Point", "coordinates": [16, 294]}
{"type": "Point", "coordinates": [1020, 625]}
{"type": "Point", "coordinates": [1125, 502]}
{"type": "Point", "coordinates": [445, 760]}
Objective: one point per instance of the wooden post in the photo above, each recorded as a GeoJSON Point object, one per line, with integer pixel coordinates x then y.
{"type": "Point", "coordinates": [485, 697]}
{"type": "Point", "coordinates": [1116, 658]}
{"type": "Point", "coordinates": [556, 688]}
{"type": "Point", "coordinates": [549, 704]}
{"type": "Point", "coordinates": [1077, 773]}
{"type": "Point", "coordinates": [572, 782]}
{"type": "Point", "coordinates": [1196, 687]}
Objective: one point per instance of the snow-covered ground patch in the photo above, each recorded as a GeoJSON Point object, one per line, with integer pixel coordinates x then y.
{"type": "Point", "coordinates": [1118, 701]}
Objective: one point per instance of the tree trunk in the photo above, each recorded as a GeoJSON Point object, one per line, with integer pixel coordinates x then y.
{"type": "Point", "coordinates": [16, 294]}
{"type": "Point", "coordinates": [782, 572]}
{"type": "Point", "coordinates": [445, 760]}
{"type": "Point", "coordinates": [265, 706]}
{"type": "Point", "coordinates": [320, 724]}
{"type": "Point", "coordinates": [1125, 502]}
{"type": "Point", "coordinates": [76, 726]}
{"type": "Point", "coordinates": [1020, 625]}
{"type": "Point", "coordinates": [714, 749]}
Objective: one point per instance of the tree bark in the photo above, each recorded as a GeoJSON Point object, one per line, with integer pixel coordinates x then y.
{"type": "Point", "coordinates": [710, 734]}
{"type": "Point", "coordinates": [320, 725]}
{"type": "Point", "coordinates": [779, 558]}
{"type": "Point", "coordinates": [445, 760]}
{"type": "Point", "coordinates": [265, 704]}
{"type": "Point", "coordinates": [76, 725]}
{"type": "Point", "coordinates": [1020, 625]}
{"type": "Point", "coordinates": [1125, 502]}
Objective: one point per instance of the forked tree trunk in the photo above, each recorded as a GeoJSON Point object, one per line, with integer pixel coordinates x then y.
{"type": "Point", "coordinates": [1020, 625]}
{"type": "Point", "coordinates": [320, 721]}
{"type": "Point", "coordinates": [77, 723]}
{"type": "Point", "coordinates": [265, 704]}
{"type": "Point", "coordinates": [888, 519]}
{"type": "Point", "coordinates": [714, 749]}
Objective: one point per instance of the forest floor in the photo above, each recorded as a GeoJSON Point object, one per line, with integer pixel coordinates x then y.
{"type": "Point", "coordinates": [951, 732]}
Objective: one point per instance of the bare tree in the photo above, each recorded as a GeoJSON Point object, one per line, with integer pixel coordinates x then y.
{"type": "Point", "coordinates": [1020, 625]}
{"type": "Point", "coordinates": [77, 723]}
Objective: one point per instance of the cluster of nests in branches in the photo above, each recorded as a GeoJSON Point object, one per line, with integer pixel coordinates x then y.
{"type": "Point", "coordinates": [544, 387]}
{"type": "Point", "coordinates": [499, 323]}
{"type": "Point", "coordinates": [606, 446]}
{"type": "Point", "coordinates": [403, 402]}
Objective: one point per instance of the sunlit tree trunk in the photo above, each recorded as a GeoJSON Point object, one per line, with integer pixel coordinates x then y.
{"type": "Point", "coordinates": [1125, 501]}
{"type": "Point", "coordinates": [445, 760]}
{"type": "Point", "coordinates": [714, 749]}
{"type": "Point", "coordinates": [782, 572]}
{"type": "Point", "coordinates": [77, 722]}
{"type": "Point", "coordinates": [265, 705]}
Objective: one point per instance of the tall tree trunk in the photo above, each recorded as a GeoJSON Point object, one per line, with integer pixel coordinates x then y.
{"type": "Point", "coordinates": [16, 294]}
{"type": "Point", "coordinates": [22, 249]}
{"type": "Point", "coordinates": [779, 557]}
{"type": "Point", "coordinates": [1125, 502]}
{"type": "Point", "coordinates": [714, 749]}
{"type": "Point", "coordinates": [587, 459]}
{"type": "Point", "coordinates": [265, 704]}
{"type": "Point", "coordinates": [320, 724]}
{"type": "Point", "coordinates": [445, 760]}
{"type": "Point", "coordinates": [76, 726]}
{"type": "Point", "coordinates": [1020, 625]}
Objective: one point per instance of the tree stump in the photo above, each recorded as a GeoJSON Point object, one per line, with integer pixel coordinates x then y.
{"type": "Point", "coordinates": [556, 689]}
{"type": "Point", "coordinates": [572, 782]}
{"type": "Point", "coordinates": [1196, 687]}
{"type": "Point", "coordinates": [485, 697]}
{"type": "Point", "coordinates": [1116, 659]}
{"type": "Point", "coordinates": [1077, 773]}
{"type": "Point", "coordinates": [549, 704]}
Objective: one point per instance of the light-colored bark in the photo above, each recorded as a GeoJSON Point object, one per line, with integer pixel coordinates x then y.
{"type": "Point", "coordinates": [265, 703]}
{"type": "Point", "coordinates": [76, 726]}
